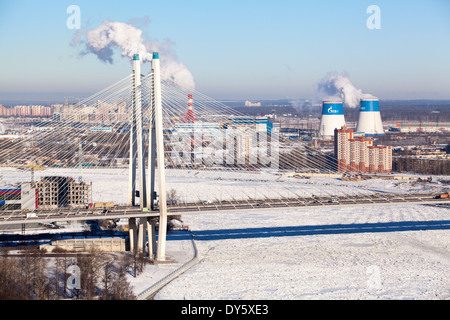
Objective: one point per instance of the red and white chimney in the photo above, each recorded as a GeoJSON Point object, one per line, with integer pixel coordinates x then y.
{"type": "Point", "coordinates": [190, 112]}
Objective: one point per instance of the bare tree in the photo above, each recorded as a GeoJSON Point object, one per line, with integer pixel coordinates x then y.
{"type": "Point", "coordinates": [172, 195]}
{"type": "Point", "coordinates": [120, 288]}
{"type": "Point", "coordinates": [89, 264]}
{"type": "Point", "coordinates": [10, 287]}
{"type": "Point", "coordinates": [107, 279]}
{"type": "Point", "coordinates": [27, 276]}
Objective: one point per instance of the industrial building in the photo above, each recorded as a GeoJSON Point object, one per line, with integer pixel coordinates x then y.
{"type": "Point", "coordinates": [109, 244]}
{"type": "Point", "coordinates": [358, 154]}
{"type": "Point", "coordinates": [420, 127]}
{"type": "Point", "coordinates": [252, 104]}
{"type": "Point", "coordinates": [23, 198]}
{"type": "Point", "coordinates": [10, 199]}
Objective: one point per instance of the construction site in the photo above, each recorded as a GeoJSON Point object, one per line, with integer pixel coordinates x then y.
{"type": "Point", "coordinates": [51, 192]}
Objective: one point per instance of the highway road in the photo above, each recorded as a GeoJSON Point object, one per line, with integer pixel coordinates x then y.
{"type": "Point", "coordinates": [65, 214]}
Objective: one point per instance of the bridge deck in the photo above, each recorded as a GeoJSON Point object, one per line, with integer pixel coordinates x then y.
{"type": "Point", "coordinates": [63, 214]}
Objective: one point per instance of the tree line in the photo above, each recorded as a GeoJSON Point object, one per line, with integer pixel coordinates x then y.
{"type": "Point", "coordinates": [417, 111]}
{"type": "Point", "coordinates": [33, 275]}
{"type": "Point", "coordinates": [418, 165]}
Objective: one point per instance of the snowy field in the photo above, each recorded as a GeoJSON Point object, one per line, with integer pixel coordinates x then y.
{"type": "Point", "coordinates": [329, 253]}
{"type": "Point", "coordinates": [179, 250]}
{"type": "Point", "coordinates": [377, 252]}
{"type": "Point", "coordinates": [194, 185]}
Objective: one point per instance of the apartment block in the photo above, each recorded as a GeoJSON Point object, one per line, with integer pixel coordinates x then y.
{"type": "Point", "coordinates": [26, 111]}
{"type": "Point", "coordinates": [358, 154]}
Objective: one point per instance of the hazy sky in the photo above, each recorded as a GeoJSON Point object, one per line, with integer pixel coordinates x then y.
{"type": "Point", "coordinates": [235, 49]}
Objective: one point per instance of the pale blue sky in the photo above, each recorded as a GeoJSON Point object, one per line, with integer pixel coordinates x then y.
{"type": "Point", "coordinates": [236, 49]}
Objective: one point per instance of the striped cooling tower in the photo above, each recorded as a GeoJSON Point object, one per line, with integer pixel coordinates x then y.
{"type": "Point", "coordinates": [369, 121]}
{"type": "Point", "coordinates": [332, 118]}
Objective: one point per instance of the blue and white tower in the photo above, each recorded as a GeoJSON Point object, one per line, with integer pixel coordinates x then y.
{"type": "Point", "coordinates": [332, 118]}
{"type": "Point", "coordinates": [369, 121]}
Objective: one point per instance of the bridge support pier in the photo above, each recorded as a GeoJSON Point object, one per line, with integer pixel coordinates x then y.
{"type": "Point", "coordinates": [137, 140]}
{"type": "Point", "coordinates": [142, 232]}
{"type": "Point", "coordinates": [159, 145]}
{"type": "Point", "coordinates": [132, 231]}
{"type": "Point", "coordinates": [151, 236]}
{"type": "Point", "coordinates": [156, 165]}
{"type": "Point", "coordinates": [141, 237]}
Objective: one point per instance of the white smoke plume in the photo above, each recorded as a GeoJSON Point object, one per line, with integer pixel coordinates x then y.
{"type": "Point", "coordinates": [110, 35]}
{"type": "Point", "coordinates": [337, 86]}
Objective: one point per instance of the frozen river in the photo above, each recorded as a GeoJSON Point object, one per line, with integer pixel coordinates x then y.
{"type": "Point", "coordinates": [328, 253]}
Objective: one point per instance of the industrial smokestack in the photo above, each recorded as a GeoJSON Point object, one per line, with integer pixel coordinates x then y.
{"type": "Point", "coordinates": [369, 121]}
{"type": "Point", "coordinates": [332, 118]}
{"type": "Point", "coordinates": [190, 112]}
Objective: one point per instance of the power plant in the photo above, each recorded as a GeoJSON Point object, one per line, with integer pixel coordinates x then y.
{"type": "Point", "coordinates": [356, 154]}
{"type": "Point", "coordinates": [332, 118]}
{"type": "Point", "coordinates": [369, 121]}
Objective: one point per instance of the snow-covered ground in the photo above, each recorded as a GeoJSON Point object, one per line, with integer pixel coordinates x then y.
{"type": "Point", "coordinates": [110, 184]}
{"type": "Point", "coordinates": [327, 253]}
{"type": "Point", "coordinates": [179, 250]}
{"type": "Point", "coordinates": [376, 252]}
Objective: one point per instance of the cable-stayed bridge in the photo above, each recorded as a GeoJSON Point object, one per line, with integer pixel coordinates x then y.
{"type": "Point", "coordinates": [163, 150]}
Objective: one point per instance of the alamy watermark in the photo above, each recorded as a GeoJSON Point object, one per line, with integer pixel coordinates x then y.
{"type": "Point", "coordinates": [74, 20]}
{"type": "Point", "coordinates": [374, 20]}
{"type": "Point", "coordinates": [73, 282]}
{"type": "Point", "coordinates": [200, 144]}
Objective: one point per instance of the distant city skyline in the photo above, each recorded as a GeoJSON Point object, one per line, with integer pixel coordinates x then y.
{"type": "Point", "coordinates": [25, 110]}
{"type": "Point", "coordinates": [247, 50]}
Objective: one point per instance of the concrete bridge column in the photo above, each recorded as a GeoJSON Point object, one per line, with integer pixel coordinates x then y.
{"type": "Point", "coordinates": [161, 175]}
{"type": "Point", "coordinates": [141, 236]}
{"type": "Point", "coordinates": [132, 230]}
{"type": "Point", "coordinates": [151, 235]}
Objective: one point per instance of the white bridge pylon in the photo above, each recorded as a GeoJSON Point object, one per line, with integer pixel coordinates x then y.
{"type": "Point", "coordinates": [146, 184]}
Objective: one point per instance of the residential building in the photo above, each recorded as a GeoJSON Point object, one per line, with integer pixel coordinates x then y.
{"type": "Point", "coordinates": [359, 154]}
